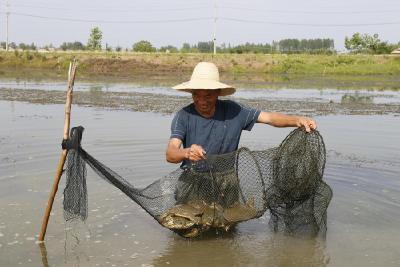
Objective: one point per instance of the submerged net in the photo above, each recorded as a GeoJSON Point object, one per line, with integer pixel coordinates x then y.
{"type": "Point", "coordinates": [222, 190]}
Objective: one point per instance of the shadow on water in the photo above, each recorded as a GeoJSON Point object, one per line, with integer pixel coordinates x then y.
{"type": "Point", "coordinates": [234, 249]}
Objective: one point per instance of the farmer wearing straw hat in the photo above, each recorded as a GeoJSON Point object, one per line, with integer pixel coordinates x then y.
{"type": "Point", "coordinates": [213, 126]}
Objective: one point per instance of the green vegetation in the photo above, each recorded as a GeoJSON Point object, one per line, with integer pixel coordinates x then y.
{"type": "Point", "coordinates": [72, 46]}
{"type": "Point", "coordinates": [121, 63]}
{"type": "Point", "coordinates": [357, 44]}
{"type": "Point", "coordinates": [242, 70]}
{"type": "Point", "coordinates": [288, 62]}
{"type": "Point", "coordinates": [365, 43]}
{"type": "Point", "coordinates": [168, 49]}
{"type": "Point", "coordinates": [289, 46]}
{"type": "Point", "coordinates": [94, 42]}
{"type": "Point", "coordinates": [143, 46]}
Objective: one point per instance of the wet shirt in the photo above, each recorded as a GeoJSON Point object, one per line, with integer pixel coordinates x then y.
{"type": "Point", "coordinates": [217, 135]}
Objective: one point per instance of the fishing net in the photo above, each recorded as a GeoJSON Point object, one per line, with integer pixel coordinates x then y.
{"type": "Point", "coordinates": [223, 190]}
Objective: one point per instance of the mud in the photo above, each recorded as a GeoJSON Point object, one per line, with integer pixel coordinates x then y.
{"type": "Point", "coordinates": [167, 104]}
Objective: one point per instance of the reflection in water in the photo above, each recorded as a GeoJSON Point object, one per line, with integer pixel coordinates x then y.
{"type": "Point", "coordinates": [238, 250]}
{"type": "Point", "coordinates": [283, 250]}
{"type": "Point", "coordinates": [43, 252]}
{"type": "Point", "coordinates": [76, 245]}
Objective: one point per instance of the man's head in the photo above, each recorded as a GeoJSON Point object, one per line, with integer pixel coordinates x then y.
{"type": "Point", "coordinates": [205, 77]}
{"type": "Point", "coordinates": [205, 100]}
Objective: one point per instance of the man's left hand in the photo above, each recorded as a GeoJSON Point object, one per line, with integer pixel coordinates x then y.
{"type": "Point", "coordinates": [308, 124]}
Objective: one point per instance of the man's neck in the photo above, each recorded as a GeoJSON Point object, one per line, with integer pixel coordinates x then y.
{"type": "Point", "coordinates": [207, 114]}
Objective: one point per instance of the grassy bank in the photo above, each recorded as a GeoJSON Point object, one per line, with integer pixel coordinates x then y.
{"type": "Point", "coordinates": [274, 69]}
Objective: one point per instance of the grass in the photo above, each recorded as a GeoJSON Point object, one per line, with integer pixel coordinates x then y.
{"type": "Point", "coordinates": [278, 69]}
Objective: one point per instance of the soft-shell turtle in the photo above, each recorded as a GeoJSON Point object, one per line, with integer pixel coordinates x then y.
{"type": "Point", "coordinates": [197, 216]}
{"type": "Point", "coordinates": [181, 216]}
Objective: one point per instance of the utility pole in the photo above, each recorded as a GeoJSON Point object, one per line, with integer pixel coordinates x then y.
{"type": "Point", "coordinates": [215, 27]}
{"type": "Point", "coordinates": [7, 15]}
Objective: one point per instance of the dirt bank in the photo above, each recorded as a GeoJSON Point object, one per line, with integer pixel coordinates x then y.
{"type": "Point", "coordinates": [124, 64]}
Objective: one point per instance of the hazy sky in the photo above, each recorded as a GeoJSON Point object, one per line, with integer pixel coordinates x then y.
{"type": "Point", "coordinates": [174, 22]}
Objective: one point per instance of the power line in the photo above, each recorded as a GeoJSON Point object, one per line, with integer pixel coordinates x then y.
{"type": "Point", "coordinates": [151, 10]}
{"type": "Point", "coordinates": [112, 21]}
{"type": "Point", "coordinates": [308, 24]}
{"type": "Point", "coordinates": [308, 12]}
{"type": "Point", "coordinates": [113, 9]}
{"type": "Point", "coordinates": [203, 19]}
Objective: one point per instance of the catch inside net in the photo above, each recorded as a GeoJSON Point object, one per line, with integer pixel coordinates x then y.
{"type": "Point", "coordinates": [223, 190]}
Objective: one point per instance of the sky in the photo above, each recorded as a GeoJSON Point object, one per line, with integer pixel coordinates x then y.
{"type": "Point", "coordinates": [174, 22]}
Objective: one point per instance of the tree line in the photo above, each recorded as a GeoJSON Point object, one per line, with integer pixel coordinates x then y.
{"type": "Point", "coordinates": [358, 43]}
{"type": "Point", "coordinates": [370, 44]}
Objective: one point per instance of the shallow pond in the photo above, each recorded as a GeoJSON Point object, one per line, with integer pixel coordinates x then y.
{"type": "Point", "coordinates": [363, 169]}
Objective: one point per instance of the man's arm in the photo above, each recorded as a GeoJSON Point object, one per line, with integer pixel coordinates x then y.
{"type": "Point", "coordinates": [282, 120]}
{"type": "Point", "coordinates": [176, 154]}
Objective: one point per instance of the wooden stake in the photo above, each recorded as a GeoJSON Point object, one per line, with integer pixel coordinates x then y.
{"type": "Point", "coordinates": [71, 79]}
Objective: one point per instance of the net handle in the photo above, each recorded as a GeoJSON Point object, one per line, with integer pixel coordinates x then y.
{"type": "Point", "coordinates": [60, 166]}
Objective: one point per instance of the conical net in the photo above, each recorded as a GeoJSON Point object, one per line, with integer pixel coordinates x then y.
{"type": "Point", "coordinates": [223, 190]}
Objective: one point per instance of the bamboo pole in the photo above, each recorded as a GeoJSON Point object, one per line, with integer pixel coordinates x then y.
{"type": "Point", "coordinates": [60, 166]}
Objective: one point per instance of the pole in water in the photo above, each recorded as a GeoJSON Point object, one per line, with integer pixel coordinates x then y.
{"type": "Point", "coordinates": [60, 166]}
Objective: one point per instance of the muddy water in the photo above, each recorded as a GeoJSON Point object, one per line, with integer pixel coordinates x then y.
{"type": "Point", "coordinates": [363, 169]}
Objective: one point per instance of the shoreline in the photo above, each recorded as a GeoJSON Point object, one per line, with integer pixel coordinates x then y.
{"type": "Point", "coordinates": [123, 64]}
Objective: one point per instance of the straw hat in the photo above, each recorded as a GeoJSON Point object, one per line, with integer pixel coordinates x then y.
{"type": "Point", "coordinates": [205, 76]}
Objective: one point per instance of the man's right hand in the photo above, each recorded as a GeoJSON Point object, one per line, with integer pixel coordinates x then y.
{"type": "Point", "coordinates": [195, 153]}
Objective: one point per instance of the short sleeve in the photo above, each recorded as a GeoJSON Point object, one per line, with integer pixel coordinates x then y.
{"type": "Point", "coordinates": [178, 126]}
{"type": "Point", "coordinates": [249, 117]}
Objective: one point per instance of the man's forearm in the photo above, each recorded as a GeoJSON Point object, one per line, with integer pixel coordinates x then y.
{"type": "Point", "coordinates": [278, 119]}
{"type": "Point", "coordinates": [283, 120]}
{"type": "Point", "coordinates": [176, 155]}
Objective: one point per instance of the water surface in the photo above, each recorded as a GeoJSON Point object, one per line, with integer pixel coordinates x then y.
{"type": "Point", "coordinates": [363, 168]}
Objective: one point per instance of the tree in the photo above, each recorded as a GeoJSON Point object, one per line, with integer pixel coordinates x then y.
{"type": "Point", "coordinates": [355, 43]}
{"type": "Point", "coordinates": [48, 47]}
{"type": "Point", "coordinates": [24, 46]}
{"type": "Point", "coordinates": [365, 43]}
{"type": "Point", "coordinates": [12, 45]}
{"type": "Point", "coordinates": [94, 42]}
{"type": "Point", "coordinates": [205, 47]}
{"type": "Point", "coordinates": [185, 48]}
{"type": "Point", "coordinates": [72, 46]}
{"type": "Point", "coordinates": [168, 49]}
{"type": "Point", "coordinates": [143, 46]}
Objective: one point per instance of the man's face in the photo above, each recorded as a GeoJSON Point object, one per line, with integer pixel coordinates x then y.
{"type": "Point", "coordinates": [205, 100]}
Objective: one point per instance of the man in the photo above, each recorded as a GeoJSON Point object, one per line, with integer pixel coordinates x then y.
{"type": "Point", "coordinates": [213, 126]}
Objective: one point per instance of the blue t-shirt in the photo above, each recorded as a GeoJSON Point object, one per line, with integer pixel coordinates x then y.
{"type": "Point", "coordinates": [217, 135]}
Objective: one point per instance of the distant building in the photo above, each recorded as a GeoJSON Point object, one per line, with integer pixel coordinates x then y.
{"type": "Point", "coordinates": [396, 51]}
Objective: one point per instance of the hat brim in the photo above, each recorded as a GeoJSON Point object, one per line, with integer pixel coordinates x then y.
{"type": "Point", "coordinates": [205, 85]}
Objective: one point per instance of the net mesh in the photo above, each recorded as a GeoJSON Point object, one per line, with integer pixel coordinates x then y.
{"type": "Point", "coordinates": [222, 190]}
